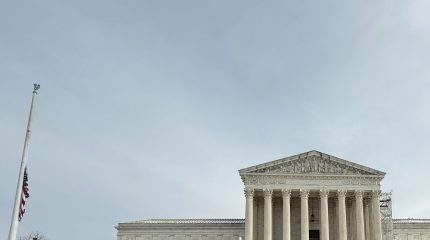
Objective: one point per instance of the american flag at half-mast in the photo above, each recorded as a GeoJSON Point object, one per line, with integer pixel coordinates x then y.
{"type": "Point", "coordinates": [24, 195]}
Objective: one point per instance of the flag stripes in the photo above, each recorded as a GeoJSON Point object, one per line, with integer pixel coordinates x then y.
{"type": "Point", "coordinates": [24, 195]}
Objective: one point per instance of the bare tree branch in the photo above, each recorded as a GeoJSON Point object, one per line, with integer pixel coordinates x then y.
{"type": "Point", "coordinates": [33, 236]}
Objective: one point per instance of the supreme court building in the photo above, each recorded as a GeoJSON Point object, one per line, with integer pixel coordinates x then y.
{"type": "Point", "coordinates": [309, 196]}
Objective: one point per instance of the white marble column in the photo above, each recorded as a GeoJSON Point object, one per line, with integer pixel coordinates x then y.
{"type": "Point", "coordinates": [268, 214]}
{"type": "Point", "coordinates": [324, 215]}
{"type": "Point", "coordinates": [249, 214]}
{"type": "Point", "coordinates": [353, 233]}
{"type": "Point", "coordinates": [366, 219]}
{"type": "Point", "coordinates": [359, 218]}
{"type": "Point", "coordinates": [371, 226]}
{"type": "Point", "coordinates": [286, 223]}
{"type": "Point", "coordinates": [254, 226]}
{"type": "Point", "coordinates": [304, 195]}
{"type": "Point", "coordinates": [348, 218]}
{"type": "Point", "coordinates": [336, 221]}
{"type": "Point", "coordinates": [376, 216]}
{"type": "Point", "coordinates": [342, 214]}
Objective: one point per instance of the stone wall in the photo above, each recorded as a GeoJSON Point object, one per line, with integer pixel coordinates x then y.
{"type": "Point", "coordinates": [233, 229]}
{"type": "Point", "coordinates": [411, 229]}
{"type": "Point", "coordinates": [182, 230]}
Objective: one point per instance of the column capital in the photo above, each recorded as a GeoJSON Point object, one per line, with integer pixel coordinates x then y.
{"type": "Point", "coordinates": [304, 193]}
{"type": "Point", "coordinates": [376, 193]}
{"type": "Point", "coordinates": [341, 193]}
{"type": "Point", "coordinates": [324, 193]}
{"type": "Point", "coordinates": [358, 194]}
{"type": "Point", "coordinates": [268, 192]}
{"type": "Point", "coordinates": [286, 193]}
{"type": "Point", "coordinates": [366, 201]}
{"type": "Point", "coordinates": [249, 192]}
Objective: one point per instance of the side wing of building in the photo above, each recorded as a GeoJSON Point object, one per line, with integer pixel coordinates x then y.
{"type": "Point", "coordinates": [411, 229]}
{"type": "Point", "coordinates": [182, 229]}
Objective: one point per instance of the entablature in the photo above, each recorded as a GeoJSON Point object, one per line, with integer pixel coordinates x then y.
{"type": "Point", "coordinates": [331, 182]}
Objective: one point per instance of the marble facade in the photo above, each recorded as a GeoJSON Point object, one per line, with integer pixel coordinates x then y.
{"type": "Point", "coordinates": [317, 177]}
{"type": "Point", "coordinates": [411, 229]}
{"type": "Point", "coordinates": [309, 196]}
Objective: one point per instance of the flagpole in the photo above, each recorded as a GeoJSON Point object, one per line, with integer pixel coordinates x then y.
{"type": "Point", "coordinates": [14, 222]}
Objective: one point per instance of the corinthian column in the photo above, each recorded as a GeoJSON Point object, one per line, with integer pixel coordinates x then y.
{"type": "Point", "coordinates": [342, 214]}
{"type": "Point", "coordinates": [376, 216]}
{"type": "Point", "coordinates": [249, 213]}
{"type": "Point", "coordinates": [324, 215]}
{"type": "Point", "coordinates": [304, 195]}
{"type": "Point", "coordinates": [286, 225]}
{"type": "Point", "coordinates": [359, 218]}
{"type": "Point", "coordinates": [268, 214]}
{"type": "Point", "coordinates": [366, 218]}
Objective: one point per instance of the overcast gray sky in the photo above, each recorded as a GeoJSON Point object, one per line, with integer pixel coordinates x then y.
{"type": "Point", "coordinates": [147, 109]}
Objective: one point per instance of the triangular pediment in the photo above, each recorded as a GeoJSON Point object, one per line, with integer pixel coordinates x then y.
{"type": "Point", "coordinates": [312, 162]}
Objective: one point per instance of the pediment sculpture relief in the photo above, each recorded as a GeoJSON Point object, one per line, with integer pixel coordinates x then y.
{"type": "Point", "coordinates": [313, 164]}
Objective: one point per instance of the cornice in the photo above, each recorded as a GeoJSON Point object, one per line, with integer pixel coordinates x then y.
{"type": "Point", "coordinates": [311, 176]}
{"type": "Point", "coordinates": [190, 224]}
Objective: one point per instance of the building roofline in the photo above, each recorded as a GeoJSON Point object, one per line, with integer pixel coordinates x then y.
{"type": "Point", "coordinates": [310, 153]}
{"type": "Point", "coordinates": [411, 220]}
{"type": "Point", "coordinates": [189, 221]}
